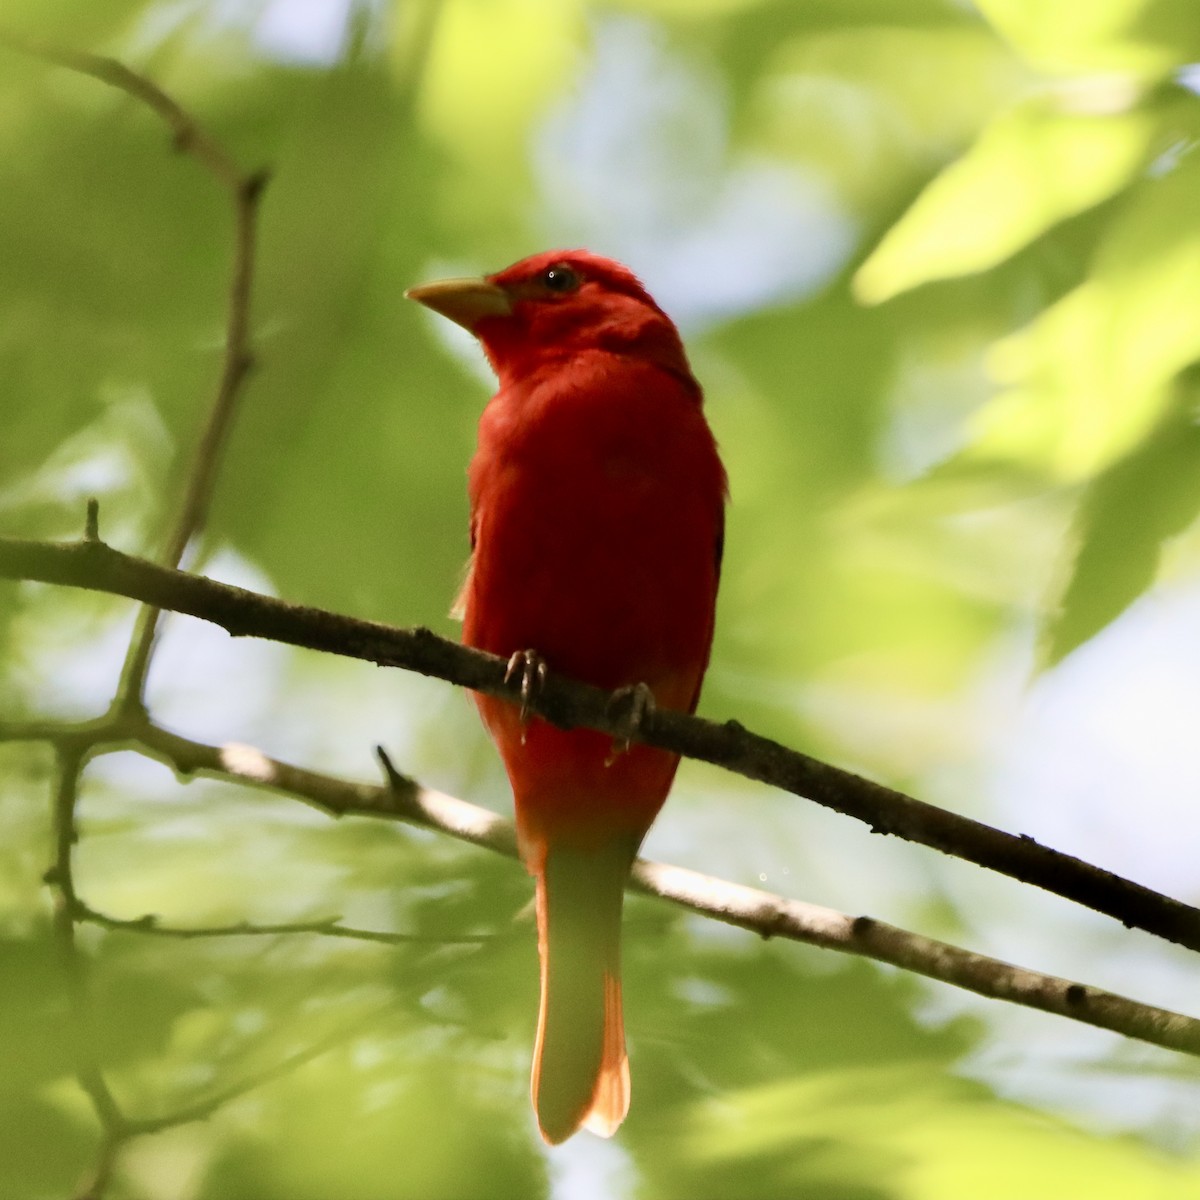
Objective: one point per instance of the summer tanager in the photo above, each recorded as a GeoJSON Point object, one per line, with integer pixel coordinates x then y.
{"type": "Point", "coordinates": [597, 513]}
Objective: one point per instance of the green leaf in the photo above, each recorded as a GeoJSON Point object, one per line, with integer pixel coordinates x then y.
{"type": "Point", "coordinates": [1148, 37]}
{"type": "Point", "coordinates": [1123, 520]}
{"type": "Point", "coordinates": [1094, 373]}
{"type": "Point", "coordinates": [1032, 167]}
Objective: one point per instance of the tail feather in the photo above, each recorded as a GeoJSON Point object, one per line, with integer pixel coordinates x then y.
{"type": "Point", "coordinates": [610, 1100]}
{"type": "Point", "coordinates": [580, 1069]}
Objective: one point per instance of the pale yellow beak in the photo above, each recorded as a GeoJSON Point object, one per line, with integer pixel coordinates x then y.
{"type": "Point", "coordinates": [464, 301]}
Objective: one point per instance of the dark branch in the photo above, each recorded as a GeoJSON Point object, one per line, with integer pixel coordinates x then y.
{"type": "Point", "coordinates": [94, 565]}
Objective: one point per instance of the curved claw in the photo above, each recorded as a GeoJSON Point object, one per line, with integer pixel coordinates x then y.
{"type": "Point", "coordinates": [638, 702]}
{"type": "Point", "coordinates": [531, 667]}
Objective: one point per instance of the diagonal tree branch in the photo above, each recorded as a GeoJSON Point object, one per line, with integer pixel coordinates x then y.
{"type": "Point", "coordinates": [757, 911]}
{"type": "Point", "coordinates": [91, 564]}
{"type": "Point", "coordinates": [748, 908]}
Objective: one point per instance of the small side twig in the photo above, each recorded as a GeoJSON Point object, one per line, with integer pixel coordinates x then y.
{"type": "Point", "coordinates": [187, 133]}
{"type": "Point", "coordinates": [202, 1109]}
{"type": "Point", "coordinates": [244, 190]}
{"type": "Point", "coordinates": [91, 528]}
{"type": "Point", "coordinates": [100, 1176]}
{"type": "Point", "coordinates": [114, 1127]}
{"type": "Point", "coordinates": [329, 927]}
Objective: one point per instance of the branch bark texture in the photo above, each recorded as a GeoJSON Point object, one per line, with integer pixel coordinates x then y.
{"type": "Point", "coordinates": [757, 911]}
{"type": "Point", "coordinates": [92, 564]}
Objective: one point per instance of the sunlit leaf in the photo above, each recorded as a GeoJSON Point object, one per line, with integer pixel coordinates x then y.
{"type": "Point", "coordinates": [1031, 168]}
{"type": "Point", "coordinates": [1125, 516]}
{"type": "Point", "coordinates": [901, 1131]}
{"type": "Point", "coordinates": [854, 103]}
{"type": "Point", "coordinates": [1093, 374]}
{"type": "Point", "coordinates": [1144, 36]}
{"type": "Point", "coordinates": [493, 64]}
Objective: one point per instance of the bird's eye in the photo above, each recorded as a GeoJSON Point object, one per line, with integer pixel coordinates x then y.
{"type": "Point", "coordinates": [560, 279]}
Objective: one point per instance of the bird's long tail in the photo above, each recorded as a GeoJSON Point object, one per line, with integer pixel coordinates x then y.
{"type": "Point", "coordinates": [580, 1069]}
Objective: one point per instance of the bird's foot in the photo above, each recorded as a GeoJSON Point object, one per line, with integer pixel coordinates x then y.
{"type": "Point", "coordinates": [531, 668]}
{"type": "Point", "coordinates": [630, 706]}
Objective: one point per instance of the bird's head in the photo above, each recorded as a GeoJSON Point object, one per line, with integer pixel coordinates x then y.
{"type": "Point", "coordinates": [555, 305]}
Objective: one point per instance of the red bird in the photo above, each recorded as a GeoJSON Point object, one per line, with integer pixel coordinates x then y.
{"type": "Point", "coordinates": [597, 515]}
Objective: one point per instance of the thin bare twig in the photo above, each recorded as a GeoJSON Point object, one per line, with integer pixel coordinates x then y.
{"type": "Point", "coordinates": [567, 703]}
{"type": "Point", "coordinates": [187, 133]}
{"type": "Point", "coordinates": [197, 497]}
{"type": "Point", "coordinates": [202, 1109]}
{"type": "Point", "coordinates": [96, 1185]}
{"type": "Point", "coordinates": [329, 927]}
{"type": "Point", "coordinates": [244, 191]}
{"type": "Point", "coordinates": [60, 878]}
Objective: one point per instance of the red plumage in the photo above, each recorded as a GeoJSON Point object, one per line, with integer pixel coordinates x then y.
{"type": "Point", "coordinates": [597, 508]}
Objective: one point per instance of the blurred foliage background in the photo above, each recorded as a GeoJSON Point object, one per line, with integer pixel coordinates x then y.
{"type": "Point", "coordinates": [938, 265]}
